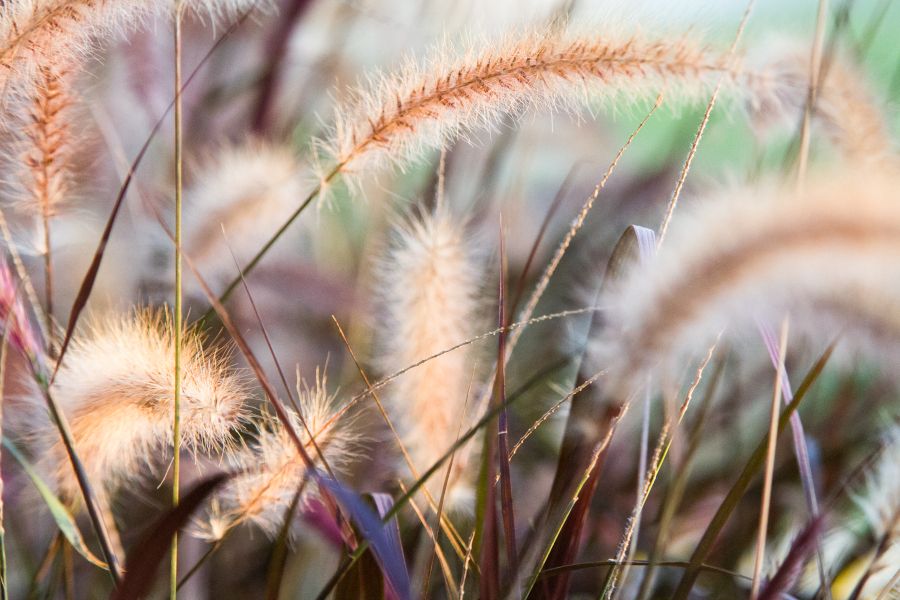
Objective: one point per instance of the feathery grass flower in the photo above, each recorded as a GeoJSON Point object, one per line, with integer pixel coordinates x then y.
{"type": "Point", "coordinates": [116, 388]}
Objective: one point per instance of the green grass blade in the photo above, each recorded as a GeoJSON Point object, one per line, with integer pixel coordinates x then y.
{"type": "Point", "coordinates": [754, 464]}
{"type": "Point", "coordinates": [60, 513]}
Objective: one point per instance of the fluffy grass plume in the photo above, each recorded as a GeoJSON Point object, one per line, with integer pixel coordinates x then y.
{"type": "Point", "coordinates": [48, 142]}
{"type": "Point", "coordinates": [116, 387]}
{"type": "Point", "coordinates": [758, 255]}
{"type": "Point", "coordinates": [879, 504]}
{"type": "Point", "coordinates": [48, 148]}
{"type": "Point", "coordinates": [272, 471]}
{"type": "Point", "coordinates": [429, 285]}
{"type": "Point", "coordinates": [37, 33]}
{"type": "Point", "coordinates": [847, 110]}
{"type": "Point", "coordinates": [452, 93]}
{"type": "Point", "coordinates": [248, 190]}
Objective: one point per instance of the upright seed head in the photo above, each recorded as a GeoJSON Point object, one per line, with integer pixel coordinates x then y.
{"type": "Point", "coordinates": [429, 284]}
{"type": "Point", "coordinates": [48, 143]}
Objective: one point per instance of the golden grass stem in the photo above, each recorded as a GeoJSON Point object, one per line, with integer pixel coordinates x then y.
{"type": "Point", "coordinates": [435, 548]}
{"type": "Point", "coordinates": [815, 70]}
{"type": "Point", "coordinates": [679, 185]}
{"type": "Point", "coordinates": [541, 287]}
{"type": "Point", "coordinates": [449, 469]}
{"type": "Point", "coordinates": [176, 425]}
{"type": "Point", "coordinates": [770, 466]}
{"type": "Point", "coordinates": [648, 479]}
{"type": "Point", "coordinates": [451, 531]}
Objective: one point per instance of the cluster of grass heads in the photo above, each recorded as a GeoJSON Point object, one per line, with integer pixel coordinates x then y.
{"type": "Point", "coordinates": [513, 387]}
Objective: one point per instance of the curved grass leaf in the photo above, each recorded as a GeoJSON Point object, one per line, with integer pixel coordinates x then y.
{"type": "Point", "coordinates": [143, 563]}
{"type": "Point", "coordinates": [579, 464]}
{"type": "Point", "coordinates": [60, 513]}
{"type": "Point", "coordinates": [383, 538]}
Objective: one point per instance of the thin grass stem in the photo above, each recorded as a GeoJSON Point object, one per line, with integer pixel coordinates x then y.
{"type": "Point", "coordinates": [48, 282]}
{"type": "Point", "coordinates": [4, 580]}
{"type": "Point", "coordinates": [815, 72]}
{"type": "Point", "coordinates": [176, 425]}
{"type": "Point", "coordinates": [770, 466]}
{"type": "Point", "coordinates": [679, 185]}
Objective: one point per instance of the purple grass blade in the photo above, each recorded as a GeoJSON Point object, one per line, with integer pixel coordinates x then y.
{"type": "Point", "coordinates": [381, 537]}
{"type": "Point", "coordinates": [787, 574]}
{"type": "Point", "coordinates": [801, 451]}
{"type": "Point", "coordinates": [317, 516]}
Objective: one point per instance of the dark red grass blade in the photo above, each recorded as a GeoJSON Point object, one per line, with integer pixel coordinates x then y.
{"type": "Point", "coordinates": [566, 550]}
{"type": "Point", "coordinates": [551, 212]}
{"type": "Point", "coordinates": [144, 561]}
{"type": "Point", "coordinates": [276, 50]}
{"type": "Point", "coordinates": [87, 284]}
{"type": "Point", "coordinates": [787, 574]}
{"type": "Point", "coordinates": [489, 584]}
{"type": "Point", "coordinates": [317, 516]}
{"type": "Point", "coordinates": [577, 449]}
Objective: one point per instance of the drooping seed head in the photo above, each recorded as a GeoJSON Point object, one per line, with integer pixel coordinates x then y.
{"type": "Point", "coordinates": [822, 256]}
{"type": "Point", "coordinates": [247, 191]}
{"type": "Point", "coordinates": [116, 388]}
{"type": "Point", "coordinates": [271, 470]}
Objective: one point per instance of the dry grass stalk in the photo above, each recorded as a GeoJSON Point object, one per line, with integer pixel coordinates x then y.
{"type": "Point", "coordinates": [116, 389]}
{"type": "Point", "coordinates": [429, 284]}
{"type": "Point", "coordinates": [272, 471]}
{"type": "Point", "coordinates": [846, 109]}
{"type": "Point", "coordinates": [766, 502]}
{"type": "Point", "coordinates": [761, 254]}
